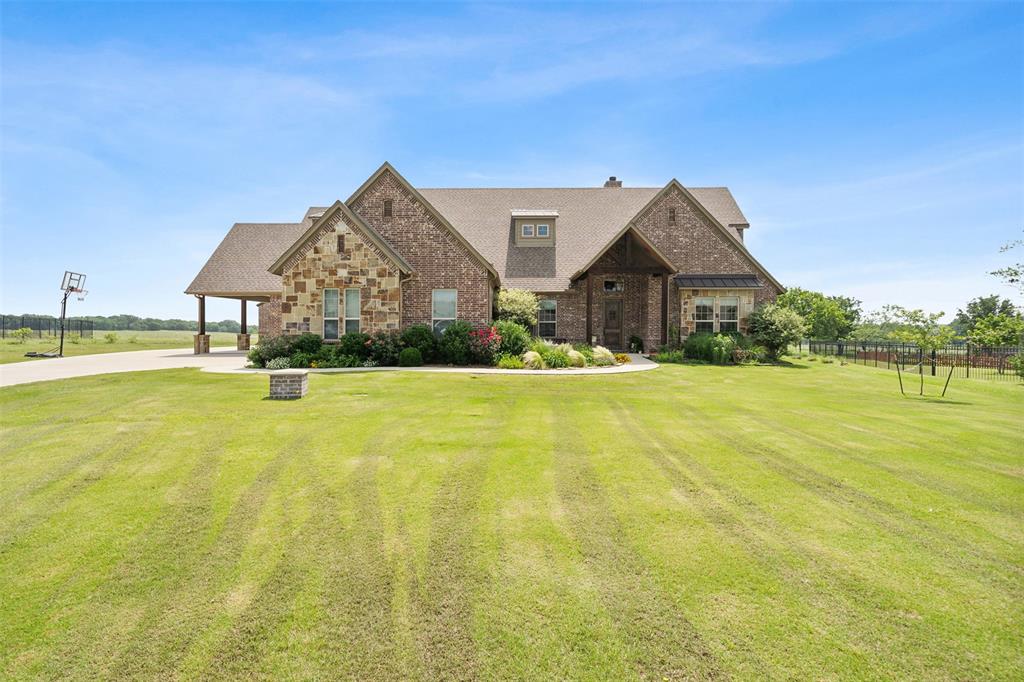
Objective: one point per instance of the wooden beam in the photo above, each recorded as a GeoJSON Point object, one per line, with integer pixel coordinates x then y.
{"type": "Point", "coordinates": [202, 314]}
{"type": "Point", "coordinates": [590, 298]}
{"type": "Point", "coordinates": [245, 325]}
{"type": "Point", "coordinates": [644, 270]}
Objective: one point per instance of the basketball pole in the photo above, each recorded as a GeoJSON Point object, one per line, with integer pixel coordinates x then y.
{"type": "Point", "coordinates": [63, 312]}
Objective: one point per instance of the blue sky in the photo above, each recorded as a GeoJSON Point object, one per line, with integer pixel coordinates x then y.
{"type": "Point", "coordinates": [877, 150]}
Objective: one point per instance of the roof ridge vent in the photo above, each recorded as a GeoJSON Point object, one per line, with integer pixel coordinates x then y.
{"type": "Point", "coordinates": [612, 181]}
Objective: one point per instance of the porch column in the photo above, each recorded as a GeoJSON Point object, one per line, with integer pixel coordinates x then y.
{"type": "Point", "coordinates": [201, 341]}
{"type": "Point", "coordinates": [243, 333]}
{"type": "Point", "coordinates": [664, 309]}
{"type": "Point", "coordinates": [590, 295]}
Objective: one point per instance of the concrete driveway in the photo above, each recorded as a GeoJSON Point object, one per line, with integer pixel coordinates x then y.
{"type": "Point", "coordinates": [221, 359]}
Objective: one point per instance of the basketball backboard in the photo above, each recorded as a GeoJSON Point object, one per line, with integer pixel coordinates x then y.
{"type": "Point", "coordinates": [73, 281]}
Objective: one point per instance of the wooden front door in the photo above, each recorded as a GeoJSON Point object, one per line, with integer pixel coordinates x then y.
{"type": "Point", "coordinates": [613, 323]}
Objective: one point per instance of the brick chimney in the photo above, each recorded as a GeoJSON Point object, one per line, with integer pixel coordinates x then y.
{"type": "Point", "coordinates": [612, 182]}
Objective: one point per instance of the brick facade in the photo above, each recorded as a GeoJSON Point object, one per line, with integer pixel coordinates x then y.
{"type": "Point", "coordinates": [360, 265]}
{"type": "Point", "coordinates": [270, 317]}
{"type": "Point", "coordinates": [747, 301]}
{"type": "Point", "coordinates": [439, 259]}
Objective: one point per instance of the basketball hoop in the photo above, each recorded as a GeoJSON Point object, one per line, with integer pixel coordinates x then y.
{"type": "Point", "coordinates": [82, 293]}
{"type": "Point", "coordinates": [73, 283]}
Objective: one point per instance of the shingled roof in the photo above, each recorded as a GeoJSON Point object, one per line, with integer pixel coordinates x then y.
{"type": "Point", "coordinates": [240, 264]}
{"type": "Point", "coordinates": [588, 219]}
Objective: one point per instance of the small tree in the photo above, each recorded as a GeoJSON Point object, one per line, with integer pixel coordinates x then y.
{"type": "Point", "coordinates": [776, 328]}
{"type": "Point", "coordinates": [518, 305]}
{"type": "Point", "coordinates": [22, 335]}
{"type": "Point", "coordinates": [997, 330]}
{"type": "Point", "coordinates": [826, 317]}
{"type": "Point", "coordinates": [924, 330]}
{"type": "Point", "coordinates": [1012, 274]}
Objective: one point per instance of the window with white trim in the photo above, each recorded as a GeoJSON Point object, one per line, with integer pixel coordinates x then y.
{"type": "Point", "coordinates": [704, 315]}
{"type": "Point", "coordinates": [728, 314]}
{"type": "Point", "coordinates": [546, 318]}
{"type": "Point", "coordinates": [527, 230]}
{"type": "Point", "coordinates": [352, 310]}
{"type": "Point", "coordinates": [330, 313]}
{"type": "Point", "coordinates": [444, 306]}
{"type": "Point", "coordinates": [543, 230]}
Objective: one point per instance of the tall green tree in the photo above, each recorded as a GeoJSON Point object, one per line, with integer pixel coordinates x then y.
{"type": "Point", "coordinates": [980, 308]}
{"type": "Point", "coordinates": [998, 330]}
{"type": "Point", "coordinates": [826, 317]}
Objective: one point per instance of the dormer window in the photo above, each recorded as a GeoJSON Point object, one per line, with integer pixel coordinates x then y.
{"type": "Point", "coordinates": [535, 226]}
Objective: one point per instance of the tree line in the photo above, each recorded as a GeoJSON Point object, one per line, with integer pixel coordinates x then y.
{"type": "Point", "coordinates": [136, 323]}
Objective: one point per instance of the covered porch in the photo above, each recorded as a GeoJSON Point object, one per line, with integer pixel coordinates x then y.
{"type": "Point", "coordinates": [627, 294]}
{"type": "Point", "coordinates": [201, 340]}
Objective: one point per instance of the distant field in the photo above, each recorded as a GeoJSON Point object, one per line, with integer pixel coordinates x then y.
{"type": "Point", "coordinates": [12, 351]}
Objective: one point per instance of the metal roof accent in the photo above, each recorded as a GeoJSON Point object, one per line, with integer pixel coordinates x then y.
{"type": "Point", "coordinates": [717, 282]}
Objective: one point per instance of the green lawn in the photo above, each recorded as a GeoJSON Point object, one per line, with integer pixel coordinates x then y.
{"type": "Point", "coordinates": [690, 522]}
{"type": "Point", "coordinates": [12, 351]}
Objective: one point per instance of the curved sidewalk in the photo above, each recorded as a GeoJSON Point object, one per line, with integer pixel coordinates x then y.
{"type": "Point", "coordinates": [228, 360]}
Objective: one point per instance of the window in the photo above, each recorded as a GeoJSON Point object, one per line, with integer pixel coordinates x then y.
{"type": "Point", "coordinates": [546, 318]}
{"type": "Point", "coordinates": [704, 315]}
{"type": "Point", "coordinates": [728, 314]}
{"type": "Point", "coordinates": [613, 286]}
{"type": "Point", "coordinates": [543, 231]}
{"type": "Point", "coordinates": [330, 313]}
{"type": "Point", "coordinates": [671, 216]}
{"type": "Point", "coordinates": [527, 230]}
{"type": "Point", "coordinates": [389, 208]}
{"type": "Point", "coordinates": [352, 310]}
{"type": "Point", "coordinates": [444, 304]}
{"type": "Point", "coordinates": [341, 243]}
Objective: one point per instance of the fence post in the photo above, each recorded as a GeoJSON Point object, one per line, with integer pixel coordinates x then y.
{"type": "Point", "coordinates": [933, 362]}
{"type": "Point", "coordinates": [968, 359]}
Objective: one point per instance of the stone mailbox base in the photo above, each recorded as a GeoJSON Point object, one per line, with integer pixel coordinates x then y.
{"type": "Point", "coordinates": [201, 343]}
{"type": "Point", "coordinates": [243, 342]}
{"type": "Point", "coordinates": [288, 384]}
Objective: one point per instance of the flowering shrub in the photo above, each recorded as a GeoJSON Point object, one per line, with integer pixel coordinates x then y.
{"type": "Point", "coordinates": [280, 362]}
{"type": "Point", "coordinates": [622, 358]}
{"type": "Point", "coordinates": [603, 357]}
{"type": "Point", "coordinates": [383, 348]}
{"type": "Point", "coordinates": [483, 345]}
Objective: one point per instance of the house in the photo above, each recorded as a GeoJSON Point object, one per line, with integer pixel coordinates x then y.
{"type": "Point", "coordinates": [608, 263]}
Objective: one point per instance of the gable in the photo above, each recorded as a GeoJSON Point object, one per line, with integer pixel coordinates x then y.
{"type": "Point", "coordinates": [327, 224]}
{"type": "Point", "coordinates": [697, 241]}
{"type": "Point", "coordinates": [414, 226]}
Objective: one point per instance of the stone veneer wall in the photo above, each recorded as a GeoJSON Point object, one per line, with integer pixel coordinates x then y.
{"type": "Point", "coordinates": [361, 265]}
{"type": "Point", "coordinates": [270, 318]}
{"type": "Point", "coordinates": [748, 300]}
{"type": "Point", "coordinates": [439, 259]}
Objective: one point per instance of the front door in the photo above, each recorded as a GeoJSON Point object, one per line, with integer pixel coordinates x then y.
{"type": "Point", "coordinates": [613, 323]}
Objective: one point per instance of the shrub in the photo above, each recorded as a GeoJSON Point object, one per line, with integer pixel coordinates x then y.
{"type": "Point", "coordinates": [421, 337]}
{"type": "Point", "coordinates": [515, 338]}
{"type": "Point", "coordinates": [506, 361]}
{"type": "Point", "coordinates": [533, 360]}
{"type": "Point", "coordinates": [1017, 364]}
{"type": "Point", "coordinates": [133, 339]}
{"type": "Point", "coordinates": [603, 357]}
{"type": "Point", "coordinates": [674, 356]}
{"type": "Point", "coordinates": [300, 359]}
{"type": "Point", "coordinates": [22, 334]}
{"type": "Point", "coordinates": [586, 351]}
{"type": "Point", "coordinates": [279, 363]}
{"type": "Point", "coordinates": [268, 349]}
{"type": "Point", "coordinates": [775, 328]}
{"type": "Point", "coordinates": [722, 346]}
{"type": "Point", "coordinates": [483, 345]}
{"type": "Point", "coordinates": [576, 358]}
{"type": "Point", "coordinates": [556, 358]}
{"type": "Point", "coordinates": [454, 344]}
{"type": "Point", "coordinates": [355, 344]}
{"type": "Point", "coordinates": [716, 348]}
{"type": "Point", "coordinates": [697, 347]}
{"type": "Point", "coordinates": [410, 357]}
{"type": "Point", "coordinates": [306, 343]}
{"type": "Point", "coordinates": [110, 337]}
{"type": "Point", "coordinates": [518, 305]}
{"type": "Point", "coordinates": [636, 344]}
{"type": "Point", "coordinates": [751, 355]}
{"type": "Point", "coordinates": [383, 348]}
{"type": "Point", "coordinates": [622, 358]}
{"type": "Point", "coordinates": [335, 361]}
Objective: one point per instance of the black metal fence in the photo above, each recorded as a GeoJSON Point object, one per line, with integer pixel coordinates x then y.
{"type": "Point", "coordinates": [966, 359]}
{"type": "Point", "coordinates": [44, 326]}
